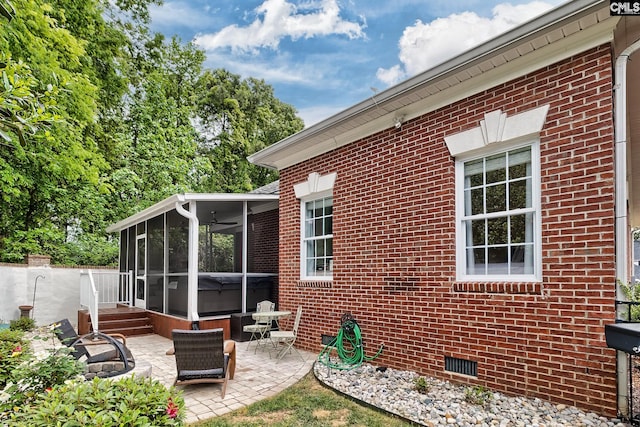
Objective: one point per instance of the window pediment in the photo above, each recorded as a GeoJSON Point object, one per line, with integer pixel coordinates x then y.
{"type": "Point", "coordinates": [315, 184]}
{"type": "Point", "coordinates": [497, 127]}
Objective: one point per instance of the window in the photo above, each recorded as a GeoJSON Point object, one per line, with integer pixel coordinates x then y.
{"type": "Point", "coordinates": [317, 238]}
{"type": "Point", "coordinates": [499, 216]}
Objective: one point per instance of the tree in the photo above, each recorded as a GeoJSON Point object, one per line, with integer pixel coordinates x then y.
{"type": "Point", "coordinates": [21, 109]}
{"type": "Point", "coordinates": [157, 139]}
{"type": "Point", "coordinates": [240, 117]}
{"type": "Point", "coordinates": [6, 9]}
{"type": "Point", "coordinates": [99, 118]}
{"type": "Point", "coordinates": [45, 168]}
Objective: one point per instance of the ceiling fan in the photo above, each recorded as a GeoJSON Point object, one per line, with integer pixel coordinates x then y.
{"type": "Point", "coordinates": [214, 220]}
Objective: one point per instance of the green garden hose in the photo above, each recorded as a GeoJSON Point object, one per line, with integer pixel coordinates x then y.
{"type": "Point", "coordinates": [348, 345]}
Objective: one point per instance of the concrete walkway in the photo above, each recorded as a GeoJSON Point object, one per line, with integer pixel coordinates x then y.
{"type": "Point", "coordinates": [257, 376]}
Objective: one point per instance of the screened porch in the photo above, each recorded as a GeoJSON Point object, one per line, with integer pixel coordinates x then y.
{"type": "Point", "coordinates": [202, 255]}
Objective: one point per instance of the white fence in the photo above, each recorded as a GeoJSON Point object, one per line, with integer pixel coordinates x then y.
{"type": "Point", "coordinates": [55, 295]}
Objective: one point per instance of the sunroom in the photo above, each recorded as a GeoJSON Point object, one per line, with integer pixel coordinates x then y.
{"type": "Point", "coordinates": [198, 256]}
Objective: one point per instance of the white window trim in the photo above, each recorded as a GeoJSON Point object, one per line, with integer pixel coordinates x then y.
{"type": "Point", "coordinates": [498, 133]}
{"type": "Point", "coordinates": [461, 254]}
{"type": "Point", "coordinates": [303, 249]}
{"type": "Point", "coordinates": [315, 187]}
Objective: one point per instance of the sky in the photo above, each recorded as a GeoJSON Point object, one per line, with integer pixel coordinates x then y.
{"type": "Point", "coordinates": [323, 56]}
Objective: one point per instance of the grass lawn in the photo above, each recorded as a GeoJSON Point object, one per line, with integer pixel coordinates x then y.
{"type": "Point", "coordinates": [307, 403]}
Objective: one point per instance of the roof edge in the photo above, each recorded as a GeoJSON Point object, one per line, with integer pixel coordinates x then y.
{"type": "Point", "coordinates": [169, 203]}
{"type": "Point", "coordinates": [553, 18]}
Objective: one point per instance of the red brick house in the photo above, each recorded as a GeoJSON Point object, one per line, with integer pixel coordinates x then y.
{"type": "Point", "coordinates": [478, 214]}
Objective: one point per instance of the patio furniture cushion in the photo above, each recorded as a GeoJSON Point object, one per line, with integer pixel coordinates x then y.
{"type": "Point", "coordinates": [200, 357]}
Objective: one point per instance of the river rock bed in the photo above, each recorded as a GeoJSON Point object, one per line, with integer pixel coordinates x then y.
{"type": "Point", "coordinates": [446, 404]}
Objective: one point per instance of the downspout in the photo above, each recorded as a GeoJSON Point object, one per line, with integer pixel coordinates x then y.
{"type": "Point", "coordinates": [245, 252]}
{"type": "Point", "coordinates": [621, 190]}
{"type": "Point", "coordinates": [192, 266]}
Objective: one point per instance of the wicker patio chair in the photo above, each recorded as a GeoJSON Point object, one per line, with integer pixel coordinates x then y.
{"type": "Point", "coordinates": [200, 357]}
{"type": "Point", "coordinates": [262, 326]}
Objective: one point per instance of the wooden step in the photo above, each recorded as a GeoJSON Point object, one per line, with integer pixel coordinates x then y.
{"type": "Point", "coordinates": [129, 331]}
{"type": "Point", "coordinates": [122, 323]}
{"type": "Point", "coordinates": [122, 313]}
{"type": "Point", "coordinates": [127, 321]}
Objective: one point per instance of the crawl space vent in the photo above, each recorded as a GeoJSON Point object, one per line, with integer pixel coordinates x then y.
{"type": "Point", "coordinates": [461, 366]}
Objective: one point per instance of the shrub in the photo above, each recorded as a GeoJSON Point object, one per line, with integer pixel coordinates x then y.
{"type": "Point", "coordinates": [130, 401]}
{"type": "Point", "coordinates": [632, 294]}
{"type": "Point", "coordinates": [14, 349]}
{"type": "Point", "coordinates": [422, 385]}
{"type": "Point", "coordinates": [37, 374]}
{"type": "Point", "coordinates": [25, 324]}
{"type": "Point", "coordinates": [477, 395]}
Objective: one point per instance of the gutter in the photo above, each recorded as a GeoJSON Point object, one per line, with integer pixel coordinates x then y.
{"type": "Point", "coordinates": [621, 211]}
{"type": "Point", "coordinates": [192, 268]}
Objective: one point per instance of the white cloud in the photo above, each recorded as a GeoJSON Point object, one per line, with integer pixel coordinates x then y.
{"type": "Point", "coordinates": [278, 68]}
{"type": "Point", "coordinates": [313, 115]}
{"type": "Point", "coordinates": [278, 19]}
{"type": "Point", "coordinates": [424, 45]}
{"type": "Point", "coordinates": [391, 75]}
{"type": "Point", "coordinates": [173, 14]}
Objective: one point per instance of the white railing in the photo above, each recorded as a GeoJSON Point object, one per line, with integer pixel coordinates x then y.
{"type": "Point", "coordinates": [104, 288]}
{"type": "Point", "coordinates": [89, 297]}
{"type": "Point", "coordinates": [114, 287]}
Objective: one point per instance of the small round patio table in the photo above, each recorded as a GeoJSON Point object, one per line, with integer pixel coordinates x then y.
{"type": "Point", "coordinates": [271, 315]}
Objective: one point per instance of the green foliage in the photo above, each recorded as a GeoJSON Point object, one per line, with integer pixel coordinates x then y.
{"type": "Point", "coordinates": [11, 336]}
{"type": "Point", "coordinates": [23, 108]}
{"type": "Point", "coordinates": [632, 295]}
{"type": "Point", "coordinates": [100, 118]}
{"type": "Point", "coordinates": [130, 401]}
{"type": "Point", "coordinates": [48, 388]}
{"type": "Point", "coordinates": [89, 249]}
{"type": "Point", "coordinates": [477, 395]}
{"type": "Point", "coordinates": [14, 349]}
{"type": "Point", "coordinates": [216, 251]}
{"type": "Point", "coordinates": [6, 9]}
{"type": "Point", "coordinates": [422, 385]}
{"type": "Point", "coordinates": [43, 172]}
{"type": "Point", "coordinates": [25, 324]}
{"type": "Point", "coordinates": [242, 117]}
{"type": "Point", "coordinates": [37, 374]}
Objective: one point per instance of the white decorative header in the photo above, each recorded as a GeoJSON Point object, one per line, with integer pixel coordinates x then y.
{"type": "Point", "coordinates": [497, 127]}
{"type": "Point", "coordinates": [315, 184]}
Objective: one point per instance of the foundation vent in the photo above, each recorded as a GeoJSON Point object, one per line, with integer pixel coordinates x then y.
{"type": "Point", "coordinates": [461, 366]}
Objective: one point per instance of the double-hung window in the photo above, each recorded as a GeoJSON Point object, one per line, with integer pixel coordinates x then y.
{"type": "Point", "coordinates": [499, 216]}
{"type": "Point", "coordinates": [317, 238]}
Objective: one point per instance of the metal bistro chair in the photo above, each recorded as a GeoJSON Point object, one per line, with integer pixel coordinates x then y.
{"type": "Point", "coordinates": [287, 338]}
{"type": "Point", "coordinates": [262, 326]}
{"type": "Point", "coordinates": [200, 357]}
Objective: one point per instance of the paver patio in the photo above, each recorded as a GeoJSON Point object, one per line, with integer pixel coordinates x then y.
{"type": "Point", "coordinates": [257, 376]}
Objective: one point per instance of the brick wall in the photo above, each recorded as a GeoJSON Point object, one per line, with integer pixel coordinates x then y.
{"type": "Point", "coordinates": [394, 246]}
{"type": "Point", "coordinates": [263, 242]}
